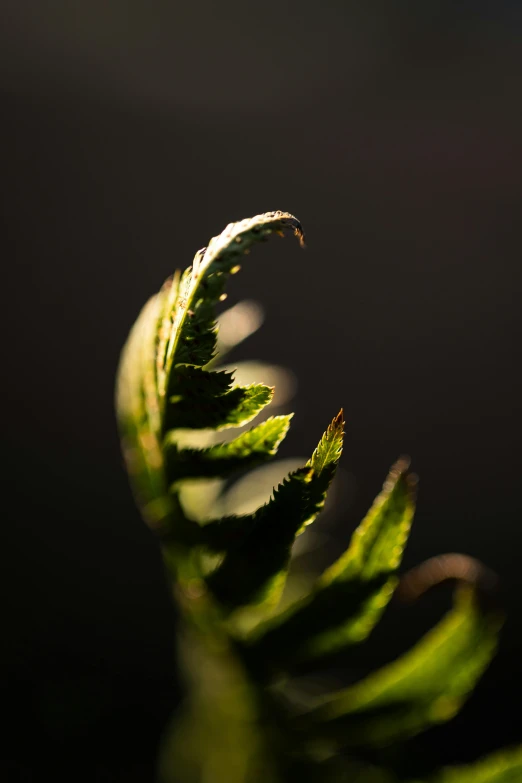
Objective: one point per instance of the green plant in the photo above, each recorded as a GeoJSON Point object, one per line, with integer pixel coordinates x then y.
{"type": "Point", "coordinates": [244, 718]}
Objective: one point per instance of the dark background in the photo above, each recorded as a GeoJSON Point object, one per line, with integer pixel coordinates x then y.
{"type": "Point", "coordinates": [131, 132]}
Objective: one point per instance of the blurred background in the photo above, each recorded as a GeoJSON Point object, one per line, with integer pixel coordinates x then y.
{"type": "Point", "coordinates": [131, 133]}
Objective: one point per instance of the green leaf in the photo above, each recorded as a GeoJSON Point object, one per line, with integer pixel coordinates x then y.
{"type": "Point", "coordinates": [205, 400]}
{"type": "Point", "coordinates": [280, 378]}
{"type": "Point", "coordinates": [248, 449]}
{"type": "Point", "coordinates": [378, 543]}
{"type": "Point", "coordinates": [502, 767]}
{"type": "Point", "coordinates": [255, 569]}
{"type": "Point", "coordinates": [188, 383]}
{"type": "Point", "coordinates": [233, 409]}
{"type": "Point", "coordinates": [328, 452]}
{"type": "Point", "coordinates": [175, 329]}
{"type": "Point", "coordinates": [351, 595]}
{"type": "Point", "coordinates": [375, 553]}
{"type": "Point", "coordinates": [169, 295]}
{"type": "Point", "coordinates": [138, 416]}
{"type": "Point", "coordinates": [192, 335]}
{"type": "Point", "coordinates": [427, 685]}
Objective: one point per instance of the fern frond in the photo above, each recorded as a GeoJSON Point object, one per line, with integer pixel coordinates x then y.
{"type": "Point", "coordinates": [229, 571]}
{"type": "Point", "coordinates": [162, 385]}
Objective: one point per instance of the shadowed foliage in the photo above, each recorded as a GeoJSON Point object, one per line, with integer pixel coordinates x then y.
{"type": "Point", "coordinates": [241, 721]}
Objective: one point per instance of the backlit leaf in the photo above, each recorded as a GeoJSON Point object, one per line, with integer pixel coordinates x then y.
{"type": "Point", "coordinates": [248, 449]}
{"type": "Point", "coordinates": [350, 596]}
{"type": "Point", "coordinates": [254, 569]}
{"type": "Point", "coordinates": [427, 685]}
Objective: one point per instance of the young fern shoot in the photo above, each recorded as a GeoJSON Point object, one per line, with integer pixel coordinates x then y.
{"type": "Point", "coordinates": [235, 644]}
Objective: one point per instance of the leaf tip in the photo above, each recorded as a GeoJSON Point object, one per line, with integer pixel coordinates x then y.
{"type": "Point", "coordinates": [402, 464]}
{"type": "Point", "coordinates": [338, 422]}
{"type": "Point", "coordinates": [288, 220]}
